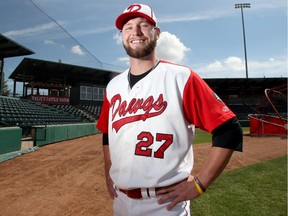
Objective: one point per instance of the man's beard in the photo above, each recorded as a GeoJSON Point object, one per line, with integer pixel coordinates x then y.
{"type": "Point", "coordinates": [142, 52]}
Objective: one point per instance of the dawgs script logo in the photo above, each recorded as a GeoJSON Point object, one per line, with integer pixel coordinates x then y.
{"type": "Point", "coordinates": [148, 107]}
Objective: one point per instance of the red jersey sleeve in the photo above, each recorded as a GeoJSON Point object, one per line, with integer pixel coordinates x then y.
{"type": "Point", "coordinates": [202, 107]}
{"type": "Point", "coordinates": [102, 123]}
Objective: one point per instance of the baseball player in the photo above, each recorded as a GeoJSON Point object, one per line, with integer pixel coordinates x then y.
{"type": "Point", "coordinates": [148, 121]}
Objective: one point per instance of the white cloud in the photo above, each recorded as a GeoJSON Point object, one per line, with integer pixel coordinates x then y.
{"type": "Point", "coordinates": [234, 63]}
{"type": "Point", "coordinates": [124, 59]}
{"type": "Point", "coordinates": [98, 30]}
{"type": "Point", "coordinates": [184, 18]}
{"type": "Point", "coordinates": [77, 50]}
{"type": "Point", "coordinates": [273, 67]}
{"type": "Point", "coordinates": [219, 10]}
{"type": "Point", "coordinates": [234, 67]}
{"type": "Point", "coordinates": [216, 65]}
{"type": "Point", "coordinates": [31, 31]}
{"type": "Point", "coordinates": [118, 38]}
{"type": "Point", "coordinates": [49, 42]}
{"type": "Point", "coordinates": [171, 48]}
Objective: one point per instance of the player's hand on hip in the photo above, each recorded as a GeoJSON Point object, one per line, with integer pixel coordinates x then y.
{"type": "Point", "coordinates": [184, 190]}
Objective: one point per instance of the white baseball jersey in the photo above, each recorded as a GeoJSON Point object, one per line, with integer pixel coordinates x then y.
{"type": "Point", "coordinates": [151, 126]}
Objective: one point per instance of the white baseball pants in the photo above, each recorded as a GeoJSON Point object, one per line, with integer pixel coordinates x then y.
{"type": "Point", "coordinates": [125, 206]}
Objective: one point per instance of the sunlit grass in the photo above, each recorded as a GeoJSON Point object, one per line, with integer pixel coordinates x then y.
{"type": "Point", "coordinates": [257, 190]}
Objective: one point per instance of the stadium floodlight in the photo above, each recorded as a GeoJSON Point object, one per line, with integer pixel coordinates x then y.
{"type": "Point", "coordinates": [241, 6]}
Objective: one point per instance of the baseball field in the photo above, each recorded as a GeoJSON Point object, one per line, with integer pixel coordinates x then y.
{"type": "Point", "coordinates": [67, 178]}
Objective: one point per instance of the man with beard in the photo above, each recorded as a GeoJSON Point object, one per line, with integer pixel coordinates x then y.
{"type": "Point", "coordinates": [148, 121]}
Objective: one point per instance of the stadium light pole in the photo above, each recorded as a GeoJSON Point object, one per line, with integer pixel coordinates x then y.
{"type": "Point", "coordinates": [241, 6]}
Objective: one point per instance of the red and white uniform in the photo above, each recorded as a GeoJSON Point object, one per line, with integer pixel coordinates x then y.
{"type": "Point", "coordinates": [151, 126]}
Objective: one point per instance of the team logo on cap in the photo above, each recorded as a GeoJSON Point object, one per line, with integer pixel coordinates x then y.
{"type": "Point", "coordinates": [136, 10]}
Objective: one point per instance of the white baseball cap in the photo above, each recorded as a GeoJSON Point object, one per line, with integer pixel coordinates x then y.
{"type": "Point", "coordinates": [136, 10]}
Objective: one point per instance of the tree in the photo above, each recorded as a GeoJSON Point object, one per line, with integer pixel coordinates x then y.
{"type": "Point", "coordinates": [5, 89]}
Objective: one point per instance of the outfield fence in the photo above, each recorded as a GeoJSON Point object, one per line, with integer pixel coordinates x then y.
{"type": "Point", "coordinates": [11, 137]}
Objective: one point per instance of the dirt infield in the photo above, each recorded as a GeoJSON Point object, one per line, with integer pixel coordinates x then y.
{"type": "Point", "coordinates": [67, 178]}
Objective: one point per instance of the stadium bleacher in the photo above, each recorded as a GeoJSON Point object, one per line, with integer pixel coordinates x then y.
{"type": "Point", "coordinates": [242, 111]}
{"type": "Point", "coordinates": [26, 113]}
{"type": "Point", "coordinates": [23, 113]}
{"type": "Point", "coordinates": [95, 110]}
{"type": "Point", "coordinates": [87, 112]}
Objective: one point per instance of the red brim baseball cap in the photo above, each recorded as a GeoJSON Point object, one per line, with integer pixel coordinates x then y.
{"type": "Point", "coordinates": [136, 10]}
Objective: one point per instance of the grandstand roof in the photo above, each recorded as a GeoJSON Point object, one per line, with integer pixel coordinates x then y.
{"type": "Point", "coordinates": [9, 48]}
{"type": "Point", "coordinates": [34, 70]}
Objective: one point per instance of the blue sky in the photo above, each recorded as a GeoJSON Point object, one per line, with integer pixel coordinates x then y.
{"type": "Point", "coordinates": [204, 35]}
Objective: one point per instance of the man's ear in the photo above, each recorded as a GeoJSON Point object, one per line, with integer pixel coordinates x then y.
{"type": "Point", "coordinates": [158, 31]}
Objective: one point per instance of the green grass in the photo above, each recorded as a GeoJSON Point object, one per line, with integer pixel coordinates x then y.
{"type": "Point", "coordinates": [245, 129]}
{"type": "Point", "coordinates": [256, 190]}
{"type": "Point", "coordinates": [202, 137]}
